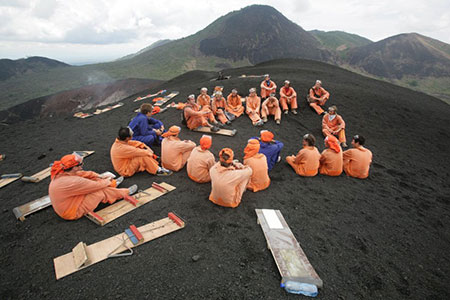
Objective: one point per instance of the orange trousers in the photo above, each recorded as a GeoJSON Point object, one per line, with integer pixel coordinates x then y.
{"type": "Point", "coordinates": [271, 111]}
{"type": "Point", "coordinates": [340, 135]}
{"type": "Point", "coordinates": [285, 103]}
{"type": "Point", "coordinates": [92, 200]}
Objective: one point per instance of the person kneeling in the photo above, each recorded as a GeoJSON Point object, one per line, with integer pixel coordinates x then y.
{"type": "Point", "coordinates": [306, 162]}
{"type": "Point", "coordinates": [258, 162]}
{"type": "Point", "coordinates": [200, 161]}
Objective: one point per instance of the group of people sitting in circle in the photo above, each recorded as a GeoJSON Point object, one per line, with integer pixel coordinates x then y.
{"type": "Point", "coordinates": [75, 192]}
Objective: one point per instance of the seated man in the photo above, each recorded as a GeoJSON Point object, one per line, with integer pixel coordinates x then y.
{"type": "Point", "coordinates": [228, 180]}
{"type": "Point", "coordinates": [74, 192]}
{"type": "Point", "coordinates": [234, 104]}
{"type": "Point", "coordinates": [317, 97]}
{"type": "Point", "coordinates": [129, 157]}
{"type": "Point", "coordinates": [146, 129]}
{"type": "Point", "coordinates": [288, 97]}
{"type": "Point", "coordinates": [218, 106]}
{"type": "Point", "coordinates": [204, 99]}
{"type": "Point", "coordinates": [271, 107]}
{"type": "Point", "coordinates": [200, 161]}
{"type": "Point", "coordinates": [260, 177]}
{"type": "Point", "coordinates": [357, 160]}
{"type": "Point", "coordinates": [253, 104]}
{"type": "Point", "coordinates": [270, 148]}
{"type": "Point", "coordinates": [333, 124]}
{"type": "Point", "coordinates": [194, 117]}
{"type": "Point", "coordinates": [307, 161]}
{"type": "Point", "coordinates": [175, 152]}
{"type": "Point", "coordinates": [331, 158]}
{"type": "Point", "coordinates": [267, 87]}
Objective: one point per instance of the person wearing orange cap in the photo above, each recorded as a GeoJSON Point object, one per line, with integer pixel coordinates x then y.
{"type": "Point", "coordinates": [333, 124]}
{"type": "Point", "coordinates": [218, 106]}
{"type": "Point", "coordinates": [146, 129]}
{"type": "Point", "coordinates": [271, 107]}
{"type": "Point", "coordinates": [267, 87]}
{"type": "Point", "coordinates": [269, 147]}
{"type": "Point", "coordinates": [194, 117]}
{"type": "Point", "coordinates": [306, 162]}
{"type": "Point", "coordinates": [258, 162]}
{"type": "Point", "coordinates": [317, 97]}
{"type": "Point", "coordinates": [200, 161]}
{"type": "Point", "coordinates": [253, 106]}
{"type": "Point", "coordinates": [175, 152]}
{"type": "Point", "coordinates": [288, 97]}
{"type": "Point", "coordinates": [234, 104]}
{"type": "Point", "coordinates": [129, 157]}
{"type": "Point", "coordinates": [357, 160]}
{"type": "Point", "coordinates": [74, 192]}
{"type": "Point", "coordinates": [331, 158]}
{"type": "Point", "coordinates": [229, 180]}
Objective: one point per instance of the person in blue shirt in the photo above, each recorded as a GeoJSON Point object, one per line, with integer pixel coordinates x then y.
{"type": "Point", "coordinates": [145, 128]}
{"type": "Point", "coordinates": [270, 148]}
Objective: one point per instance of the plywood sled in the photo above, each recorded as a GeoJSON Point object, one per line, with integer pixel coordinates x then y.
{"type": "Point", "coordinates": [100, 111]}
{"type": "Point", "coordinates": [82, 115]}
{"type": "Point", "coordinates": [39, 176]}
{"type": "Point", "coordinates": [83, 256]}
{"type": "Point", "coordinates": [122, 207]}
{"type": "Point", "coordinates": [166, 98]}
{"type": "Point", "coordinates": [251, 76]}
{"type": "Point", "coordinates": [289, 256]}
{"type": "Point", "coordinates": [228, 132]}
{"type": "Point", "coordinates": [10, 178]}
{"type": "Point", "coordinates": [149, 96]}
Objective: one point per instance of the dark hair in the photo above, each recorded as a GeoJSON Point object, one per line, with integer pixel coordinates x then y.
{"type": "Point", "coordinates": [124, 133]}
{"type": "Point", "coordinates": [359, 139]}
{"type": "Point", "coordinates": [225, 157]}
{"type": "Point", "coordinates": [146, 108]}
{"type": "Point", "coordinates": [310, 139]}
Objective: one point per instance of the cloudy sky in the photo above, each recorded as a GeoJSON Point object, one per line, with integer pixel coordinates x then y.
{"type": "Point", "coordinates": [86, 31]}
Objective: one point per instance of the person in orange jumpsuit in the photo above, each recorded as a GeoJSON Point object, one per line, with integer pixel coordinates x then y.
{"type": "Point", "coordinates": [267, 87]}
{"type": "Point", "coordinates": [317, 97]}
{"type": "Point", "coordinates": [271, 107]}
{"type": "Point", "coordinates": [195, 117]}
{"type": "Point", "coordinates": [331, 158]}
{"type": "Point", "coordinates": [333, 124]}
{"type": "Point", "coordinates": [357, 160]}
{"type": "Point", "coordinates": [229, 180]}
{"type": "Point", "coordinates": [234, 104]}
{"type": "Point", "coordinates": [74, 192]}
{"type": "Point", "coordinates": [129, 157]}
{"type": "Point", "coordinates": [218, 106]}
{"type": "Point", "coordinates": [253, 106]}
{"type": "Point", "coordinates": [200, 161]}
{"type": "Point", "coordinates": [203, 98]}
{"type": "Point", "coordinates": [258, 162]}
{"type": "Point", "coordinates": [288, 97]}
{"type": "Point", "coordinates": [175, 152]}
{"type": "Point", "coordinates": [306, 162]}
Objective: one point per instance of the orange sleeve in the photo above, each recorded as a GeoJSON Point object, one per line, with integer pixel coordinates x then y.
{"type": "Point", "coordinates": [340, 122]}
{"type": "Point", "coordinates": [189, 112]}
{"type": "Point", "coordinates": [130, 152]}
{"type": "Point", "coordinates": [294, 93]}
{"type": "Point", "coordinates": [325, 94]}
{"type": "Point", "coordinates": [311, 93]}
{"type": "Point", "coordinates": [299, 157]}
{"type": "Point", "coordinates": [324, 122]}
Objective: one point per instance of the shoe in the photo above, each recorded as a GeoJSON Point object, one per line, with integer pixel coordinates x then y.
{"type": "Point", "coordinates": [119, 181]}
{"type": "Point", "coordinates": [294, 111]}
{"type": "Point", "coordinates": [286, 112]}
{"type": "Point", "coordinates": [164, 172]}
{"type": "Point", "coordinates": [215, 129]}
{"type": "Point", "coordinates": [264, 120]}
{"type": "Point", "coordinates": [344, 145]}
{"type": "Point", "coordinates": [228, 123]}
{"type": "Point", "coordinates": [259, 123]}
{"type": "Point", "coordinates": [132, 189]}
{"type": "Point", "coordinates": [279, 159]}
{"type": "Point", "coordinates": [278, 122]}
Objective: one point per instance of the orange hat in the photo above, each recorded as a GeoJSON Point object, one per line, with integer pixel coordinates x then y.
{"type": "Point", "coordinates": [229, 152]}
{"type": "Point", "coordinates": [156, 110]}
{"type": "Point", "coordinates": [173, 131]}
{"type": "Point", "coordinates": [252, 148]}
{"type": "Point", "coordinates": [266, 136]}
{"type": "Point", "coordinates": [333, 143]}
{"type": "Point", "coordinates": [66, 163]}
{"type": "Point", "coordinates": [205, 142]}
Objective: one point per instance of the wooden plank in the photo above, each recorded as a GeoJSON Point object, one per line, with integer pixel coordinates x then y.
{"type": "Point", "coordinates": [167, 98]}
{"type": "Point", "coordinates": [227, 132]}
{"type": "Point", "coordinates": [79, 255]}
{"type": "Point", "coordinates": [6, 181]}
{"type": "Point", "coordinates": [123, 207]}
{"type": "Point", "coordinates": [31, 207]}
{"type": "Point", "coordinates": [82, 115]}
{"type": "Point", "coordinates": [289, 257]}
{"type": "Point", "coordinates": [149, 96]}
{"type": "Point", "coordinates": [65, 264]}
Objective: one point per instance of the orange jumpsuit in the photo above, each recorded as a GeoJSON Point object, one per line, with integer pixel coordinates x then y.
{"type": "Point", "coordinates": [195, 117]}
{"type": "Point", "coordinates": [272, 88]}
{"type": "Point", "coordinates": [322, 95]}
{"type": "Point", "coordinates": [174, 152]}
{"type": "Point", "coordinates": [131, 157]}
{"type": "Point", "coordinates": [218, 109]}
{"type": "Point", "coordinates": [74, 195]}
{"type": "Point", "coordinates": [228, 184]}
{"type": "Point", "coordinates": [271, 107]}
{"type": "Point", "coordinates": [260, 178]}
{"type": "Point", "coordinates": [307, 161]}
{"type": "Point", "coordinates": [357, 162]}
{"type": "Point", "coordinates": [337, 124]}
{"type": "Point", "coordinates": [284, 101]}
{"type": "Point", "coordinates": [253, 106]}
{"type": "Point", "coordinates": [199, 163]}
{"type": "Point", "coordinates": [234, 105]}
{"type": "Point", "coordinates": [204, 100]}
{"type": "Point", "coordinates": [331, 162]}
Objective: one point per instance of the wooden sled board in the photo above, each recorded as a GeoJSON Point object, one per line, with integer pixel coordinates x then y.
{"type": "Point", "coordinates": [66, 264]}
{"type": "Point", "coordinates": [167, 98]}
{"type": "Point", "coordinates": [100, 111]}
{"type": "Point", "coordinates": [123, 207]}
{"type": "Point", "coordinates": [6, 181]}
{"type": "Point", "coordinates": [39, 176]}
{"type": "Point", "coordinates": [149, 96]}
{"type": "Point", "coordinates": [82, 115]}
{"type": "Point", "coordinates": [227, 132]}
{"type": "Point", "coordinates": [289, 256]}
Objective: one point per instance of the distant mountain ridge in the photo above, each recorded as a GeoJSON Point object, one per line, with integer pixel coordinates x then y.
{"type": "Point", "coordinates": [10, 68]}
{"type": "Point", "coordinates": [339, 40]}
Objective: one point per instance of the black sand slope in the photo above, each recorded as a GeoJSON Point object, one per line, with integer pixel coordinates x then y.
{"type": "Point", "coordinates": [385, 237]}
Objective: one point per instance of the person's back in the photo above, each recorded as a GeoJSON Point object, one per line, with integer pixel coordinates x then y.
{"type": "Point", "coordinates": [357, 162]}
{"type": "Point", "coordinates": [272, 152]}
{"type": "Point", "coordinates": [307, 161]}
{"type": "Point", "coordinates": [200, 161]}
{"type": "Point", "coordinates": [260, 179]}
{"type": "Point", "coordinates": [331, 163]}
{"type": "Point", "coordinates": [174, 152]}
